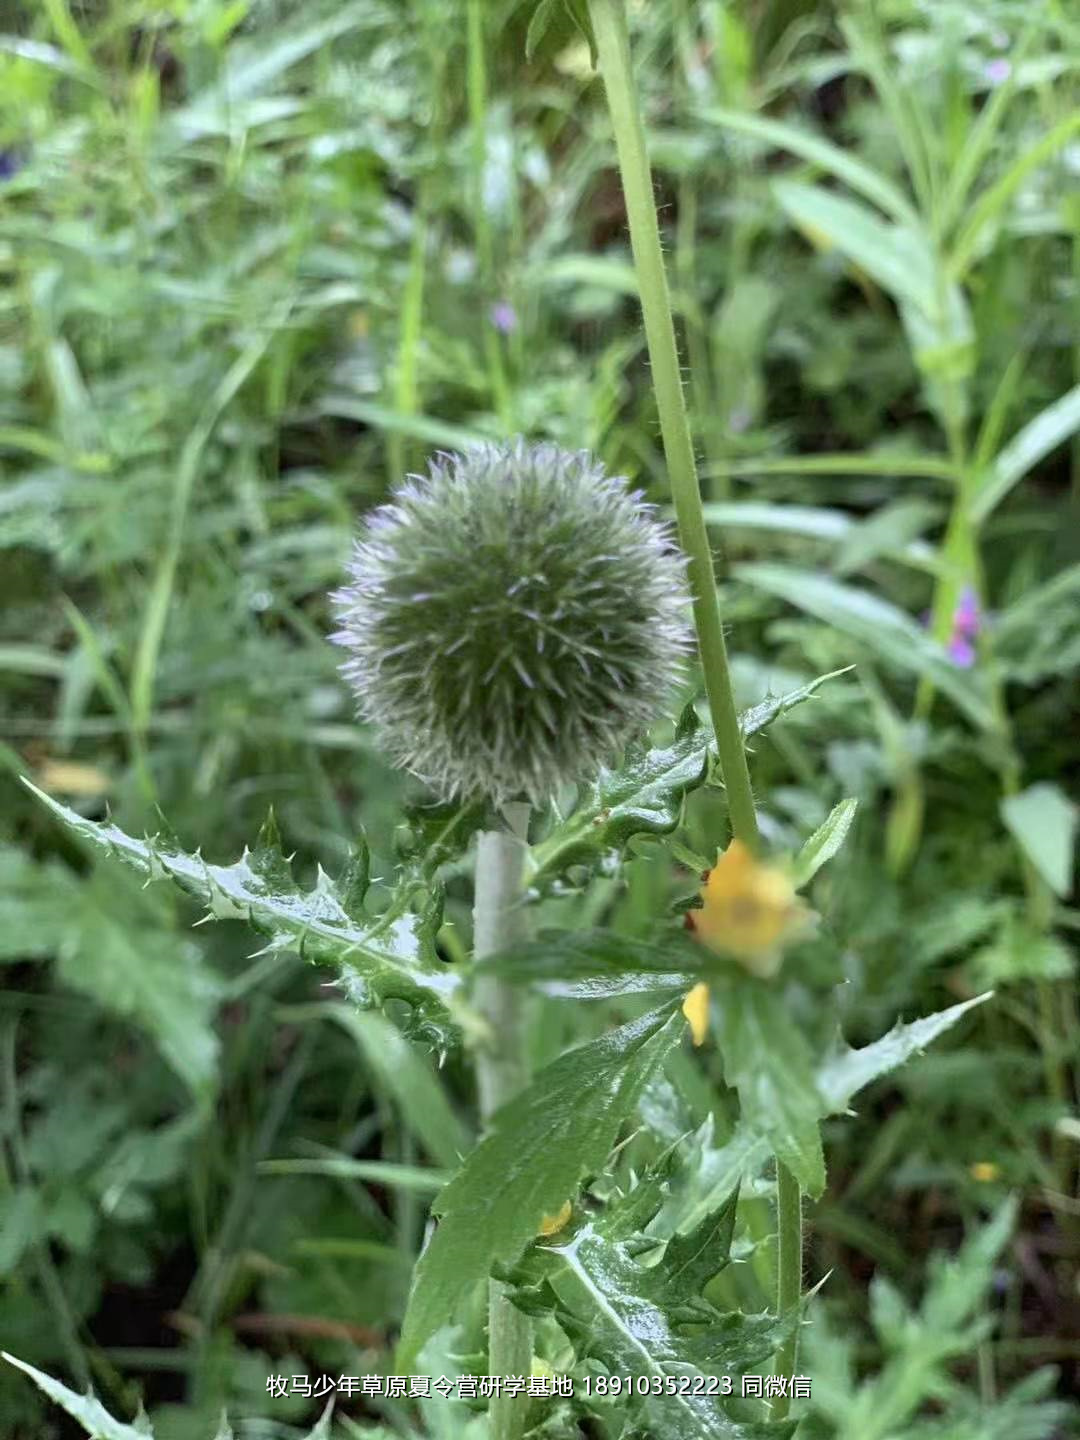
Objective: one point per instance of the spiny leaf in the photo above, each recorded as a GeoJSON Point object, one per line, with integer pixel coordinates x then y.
{"type": "Point", "coordinates": [438, 833]}
{"type": "Point", "coordinates": [86, 1409]}
{"type": "Point", "coordinates": [711, 1171]}
{"type": "Point", "coordinates": [389, 956]}
{"type": "Point", "coordinates": [845, 1072]}
{"type": "Point", "coordinates": [644, 795]}
{"type": "Point", "coordinates": [542, 1143]}
{"type": "Point", "coordinates": [651, 1318]}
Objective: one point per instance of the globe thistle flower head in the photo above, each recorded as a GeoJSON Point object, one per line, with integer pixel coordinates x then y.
{"type": "Point", "coordinates": [514, 618]}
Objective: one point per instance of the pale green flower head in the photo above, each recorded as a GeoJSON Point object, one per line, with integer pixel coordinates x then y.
{"type": "Point", "coordinates": [513, 619]}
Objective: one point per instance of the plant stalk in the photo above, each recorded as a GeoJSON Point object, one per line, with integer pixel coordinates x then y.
{"type": "Point", "coordinates": [789, 1279]}
{"type": "Point", "coordinates": [499, 921]}
{"type": "Point", "coordinates": [613, 47]}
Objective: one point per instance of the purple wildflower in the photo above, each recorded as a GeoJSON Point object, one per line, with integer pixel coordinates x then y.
{"type": "Point", "coordinates": [997, 71]}
{"type": "Point", "coordinates": [10, 164]}
{"type": "Point", "coordinates": [961, 651]}
{"type": "Point", "coordinates": [967, 620]}
{"type": "Point", "coordinates": [504, 317]}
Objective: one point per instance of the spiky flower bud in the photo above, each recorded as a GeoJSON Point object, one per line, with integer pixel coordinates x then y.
{"type": "Point", "coordinates": [513, 619]}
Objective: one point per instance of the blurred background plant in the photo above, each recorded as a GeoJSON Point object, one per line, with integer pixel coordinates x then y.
{"type": "Point", "coordinates": [257, 259]}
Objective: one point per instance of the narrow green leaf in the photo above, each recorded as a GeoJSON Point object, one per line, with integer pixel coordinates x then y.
{"type": "Point", "coordinates": [1049, 429]}
{"type": "Point", "coordinates": [542, 1144]}
{"type": "Point", "coordinates": [892, 531]}
{"type": "Point", "coordinates": [1042, 819]}
{"type": "Point", "coordinates": [768, 1060]}
{"type": "Point", "coordinates": [820, 152]}
{"type": "Point", "coordinates": [898, 257]}
{"type": "Point", "coordinates": [86, 1409]}
{"type": "Point", "coordinates": [991, 203]}
{"type": "Point", "coordinates": [539, 24]}
{"type": "Point", "coordinates": [824, 843]}
{"type": "Point", "coordinates": [347, 1167]}
{"type": "Point", "coordinates": [578, 11]}
{"type": "Point", "coordinates": [406, 1074]}
{"type": "Point", "coordinates": [886, 630]}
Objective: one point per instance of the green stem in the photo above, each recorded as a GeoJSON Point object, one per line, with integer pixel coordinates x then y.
{"type": "Point", "coordinates": [613, 46]}
{"type": "Point", "coordinates": [789, 1282]}
{"type": "Point", "coordinates": [499, 921]}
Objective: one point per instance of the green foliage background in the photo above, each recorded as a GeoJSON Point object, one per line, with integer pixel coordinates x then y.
{"type": "Point", "coordinates": [249, 254]}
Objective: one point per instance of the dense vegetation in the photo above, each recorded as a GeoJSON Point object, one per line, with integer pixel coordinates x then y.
{"type": "Point", "coordinates": [259, 259]}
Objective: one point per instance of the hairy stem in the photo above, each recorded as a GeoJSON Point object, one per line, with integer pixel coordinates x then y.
{"type": "Point", "coordinates": [613, 44]}
{"type": "Point", "coordinates": [789, 1281]}
{"type": "Point", "coordinates": [498, 922]}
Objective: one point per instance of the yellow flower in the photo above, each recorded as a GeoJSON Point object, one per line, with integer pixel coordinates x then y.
{"type": "Point", "coordinates": [749, 911]}
{"type": "Point", "coordinates": [552, 1224]}
{"type": "Point", "coordinates": [985, 1171]}
{"type": "Point", "coordinates": [696, 1009]}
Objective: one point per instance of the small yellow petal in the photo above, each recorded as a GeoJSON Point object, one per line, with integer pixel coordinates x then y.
{"type": "Point", "coordinates": [552, 1224]}
{"type": "Point", "coordinates": [696, 1009]}
{"type": "Point", "coordinates": [749, 910]}
{"type": "Point", "coordinates": [985, 1171]}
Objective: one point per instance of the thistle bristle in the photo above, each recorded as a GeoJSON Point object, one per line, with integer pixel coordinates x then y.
{"type": "Point", "coordinates": [513, 620]}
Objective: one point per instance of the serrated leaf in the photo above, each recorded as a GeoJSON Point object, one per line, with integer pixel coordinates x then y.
{"type": "Point", "coordinates": [541, 1145]}
{"type": "Point", "coordinates": [713, 1170]}
{"type": "Point", "coordinates": [847, 1071]}
{"type": "Point", "coordinates": [768, 1060]}
{"type": "Point", "coordinates": [644, 796]}
{"type": "Point", "coordinates": [86, 1409]}
{"type": "Point", "coordinates": [389, 956]}
{"type": "Point", "coordinates": [824, 843]}
{"type": "Point", "coordinates": [651, 1319]}
{"type": "Point", "coordinates": [1042, 820]}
